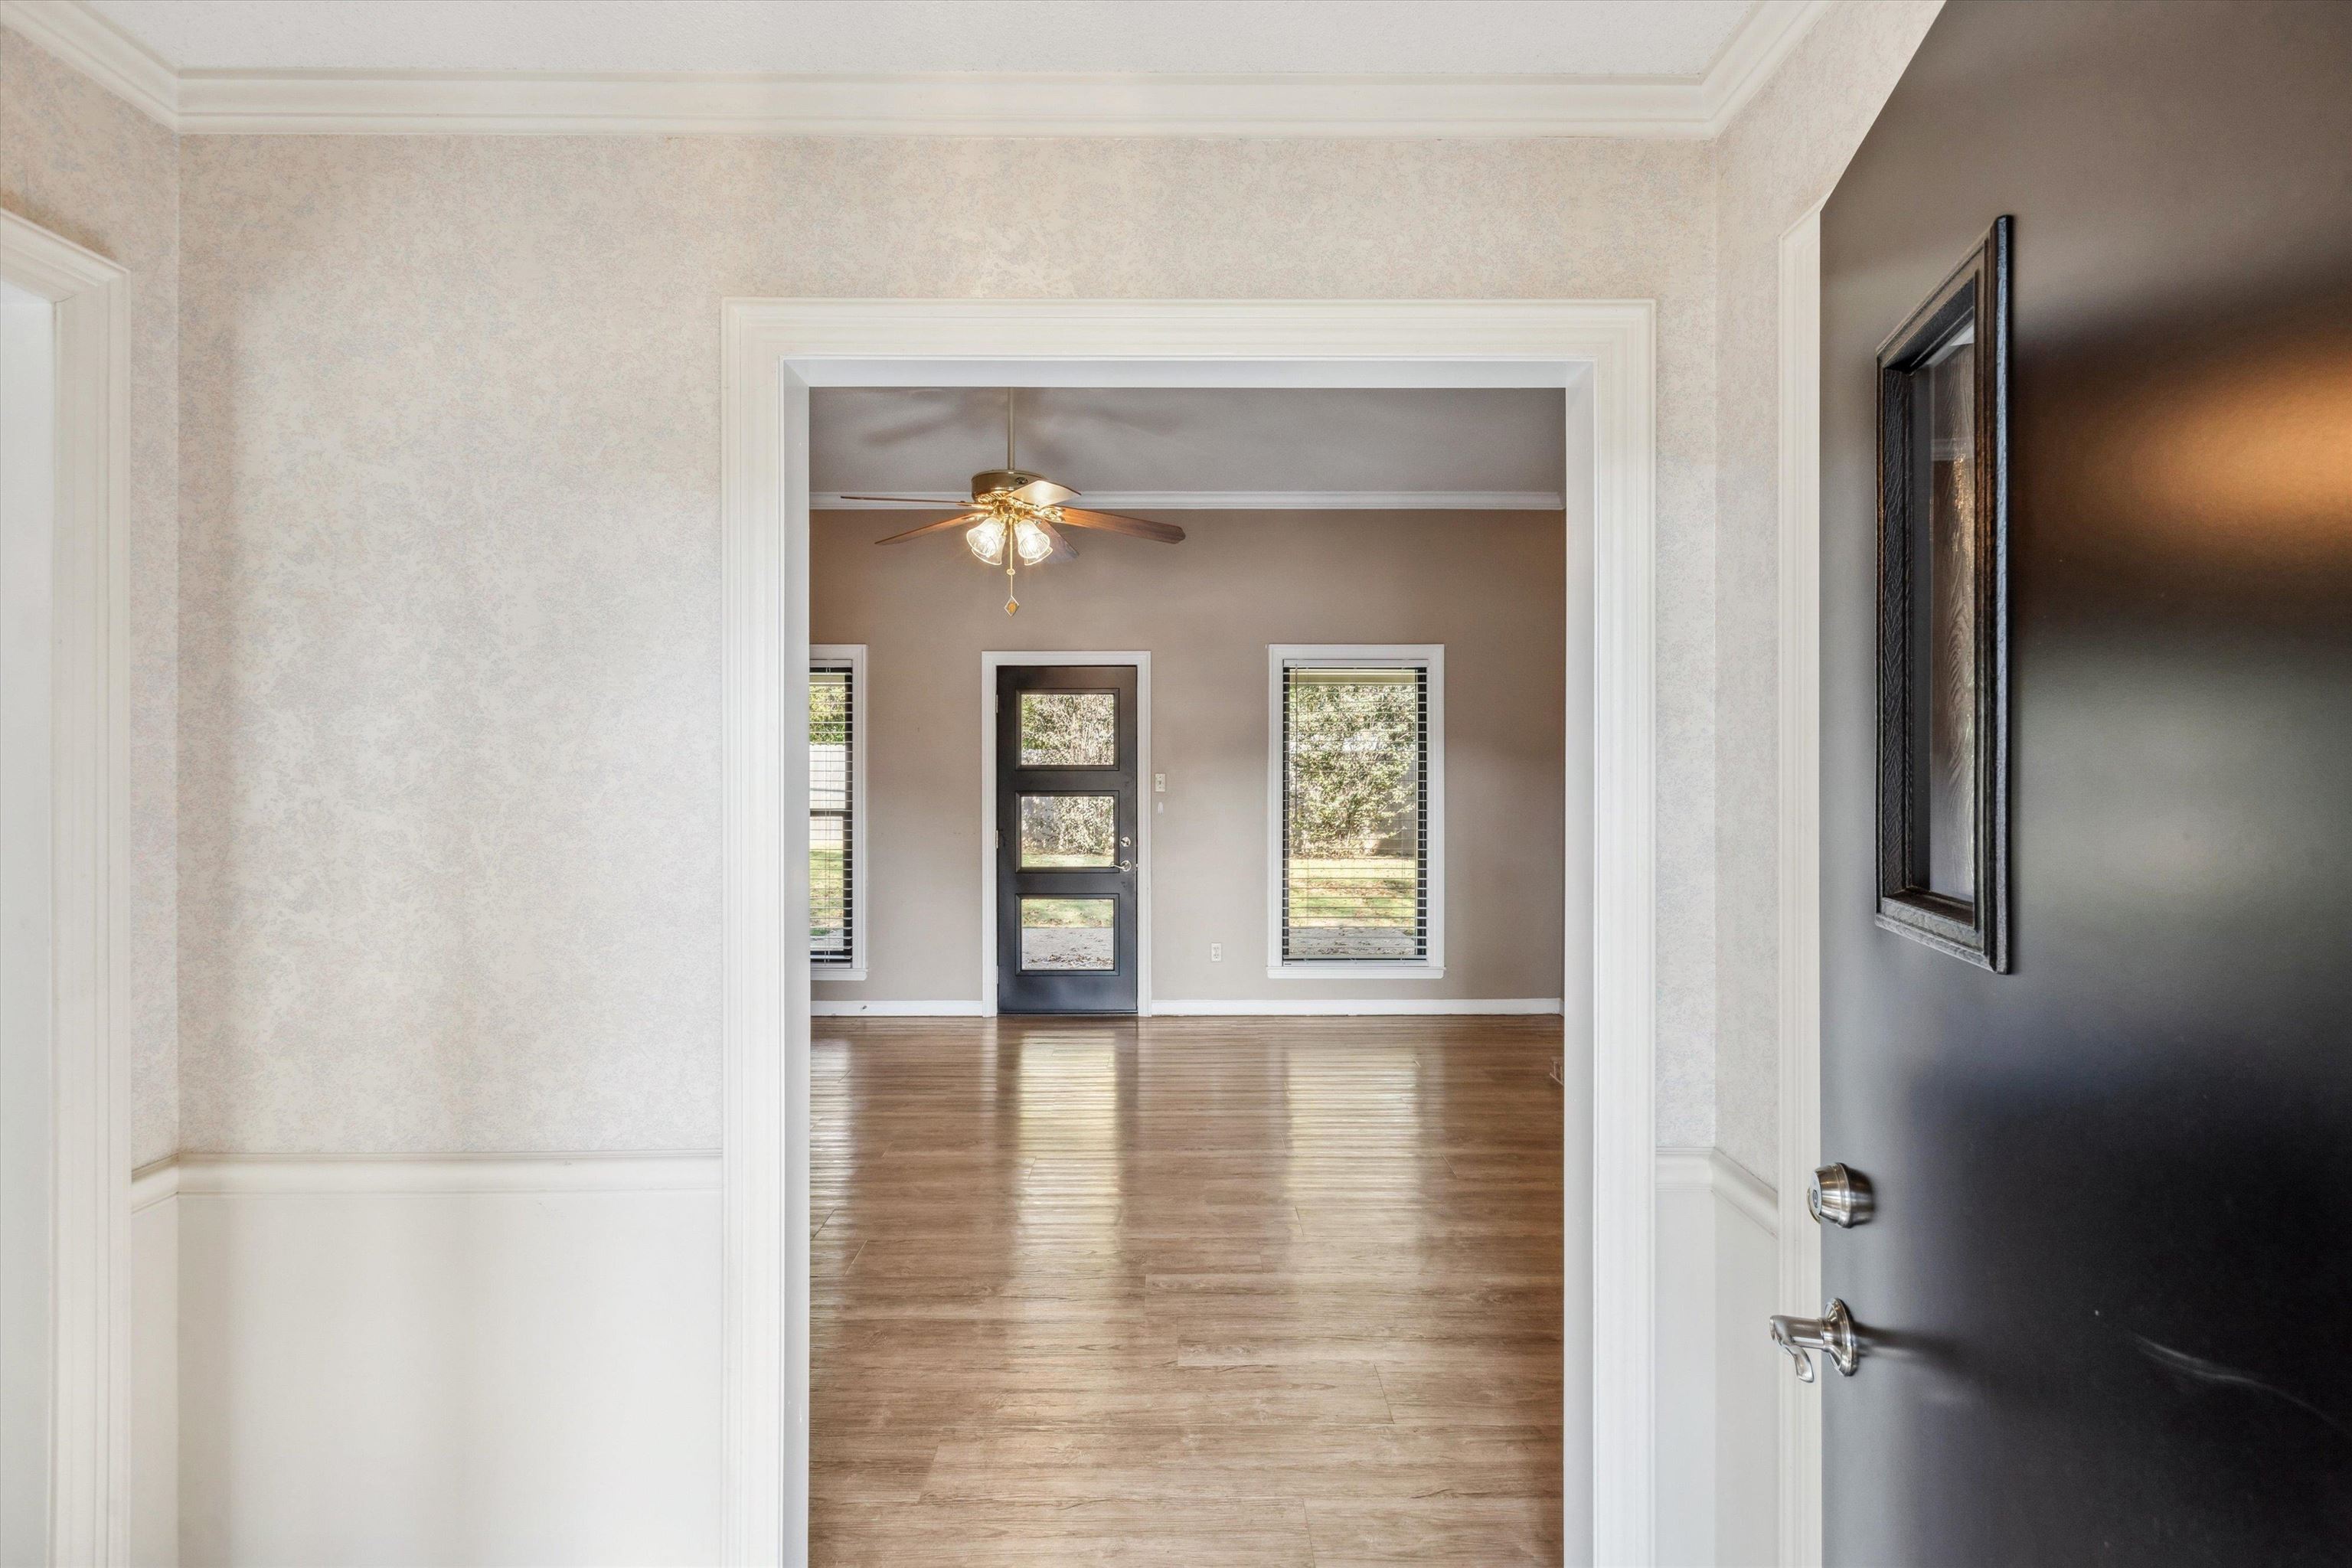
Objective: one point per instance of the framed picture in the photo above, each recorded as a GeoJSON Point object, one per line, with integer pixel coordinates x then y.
{"type": "Point", "coordinates": [1943, 614]}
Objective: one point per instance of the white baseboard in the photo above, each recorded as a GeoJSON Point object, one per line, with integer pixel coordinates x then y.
{"type": "Point", "coordinates": [449, 1359]}
{"type": "Point", "coordinates": [1178, 1007]}
{"type": "Point", "coordinates": [822, 1008]}
{"type": "Point", "coordinates": [1351, 1007]}
{"type": "Point", "coordinates": [1719, 1397]}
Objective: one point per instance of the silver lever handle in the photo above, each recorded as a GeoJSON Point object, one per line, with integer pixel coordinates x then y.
{"type": "Point", "coordinates": [1831, 1333]}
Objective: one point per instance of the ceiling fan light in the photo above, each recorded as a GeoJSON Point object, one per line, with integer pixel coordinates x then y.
{"type": "Point", "coordinates": [1032, 542]}
{"type": "Point", "coordinates": [986, 540]}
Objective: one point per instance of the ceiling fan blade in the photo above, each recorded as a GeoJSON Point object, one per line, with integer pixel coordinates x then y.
{"type": "Point", "coordinates": [1135, 527]}
{"type": "Point", "coordinates": [1063, 549]}
{"type": "Point", "coordinates": [1044, 492]}
{"type": "Point", "coordinates": [911, 500]}
{"type": "Point", "coordinates": [962, 520]}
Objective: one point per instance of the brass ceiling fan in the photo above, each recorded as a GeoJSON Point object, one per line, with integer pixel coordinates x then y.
{"type": "Point", "coordinates": [1015, 517]}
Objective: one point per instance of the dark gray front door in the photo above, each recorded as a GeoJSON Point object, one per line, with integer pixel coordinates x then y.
{"type": "Point", "coordinates": [1066, 831]}
{"type": "Point", "coordinates": [2107, 1294]}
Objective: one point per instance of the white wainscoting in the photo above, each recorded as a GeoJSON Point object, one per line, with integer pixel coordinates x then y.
{"type": "Point", "coordinates": [447, 1360]}
{"type": "Point", "coordinates": [1718, 1411]}
{"type": "Point", "coordinates": [153, 1526]}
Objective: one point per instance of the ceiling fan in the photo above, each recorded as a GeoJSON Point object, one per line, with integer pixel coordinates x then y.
{"type": "Point", "coordinates": [1016, 519]}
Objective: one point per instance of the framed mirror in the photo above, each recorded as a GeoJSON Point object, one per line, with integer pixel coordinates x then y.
{"type": "Point", "coordinates": [1943, 613]}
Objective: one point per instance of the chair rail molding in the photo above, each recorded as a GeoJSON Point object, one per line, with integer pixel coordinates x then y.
{"type": "Point", "coordinates": [411, 102]}
{"type": "Point", "coordinates": [90, 844]}
{"type": "Point", "coordinates": [772, 352]}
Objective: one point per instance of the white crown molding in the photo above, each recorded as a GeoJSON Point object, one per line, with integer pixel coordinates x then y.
{"type": "Point", "coordinates": [99, 50]}
{"type": "Point", "coordinates": [1771, 33]}
{"type": "Point", "coordinates": [1028, 104]}
{"type": "Point", "coordinates": [1239, 500]}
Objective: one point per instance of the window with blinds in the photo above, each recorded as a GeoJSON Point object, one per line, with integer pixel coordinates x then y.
{"type": "Point", "coordinates": [1355, 799]}
{"type": "Point", "coordinates": [836, 780]}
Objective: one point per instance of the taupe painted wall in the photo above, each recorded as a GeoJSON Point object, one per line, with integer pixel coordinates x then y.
{"type": "Point", "coordinates": [1491, 587]}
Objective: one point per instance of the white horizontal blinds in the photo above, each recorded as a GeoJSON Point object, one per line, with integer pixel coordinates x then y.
{"type": "Point", "coordinates": [832, 874]}
{"type": "Point", "coordinates": [1355, 813]}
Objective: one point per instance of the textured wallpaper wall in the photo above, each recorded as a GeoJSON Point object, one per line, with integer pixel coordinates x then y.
{"type": "Point", "coordinates": [83, 163]}
{"type": "Point", "coordinates": [450, 571]}
{"type": "Point", "coordinates": [1780, 156]}
{"type": "Point", "coordinates": [446, 548]}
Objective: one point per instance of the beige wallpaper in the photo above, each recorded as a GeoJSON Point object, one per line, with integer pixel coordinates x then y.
{"type": "Point", "coordinates": [1779, 157]}
{"type": "Point", "coordinates": [450, 563]}
{"type": "Point", "coordinates": [446, 633]}
{"type": "Point", "coordinates": [83, 163]}
{"type": "Point", "coordinates": [1490, 586]}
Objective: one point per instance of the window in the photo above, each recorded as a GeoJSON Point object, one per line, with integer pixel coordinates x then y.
{"type": "Point", "coordinates": [1356, 803]}
{"type": "Point", "coordinates": [836, 730]}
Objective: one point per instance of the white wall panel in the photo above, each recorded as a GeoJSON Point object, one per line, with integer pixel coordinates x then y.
{"type": "Point", "coordinates": [449, 1361]}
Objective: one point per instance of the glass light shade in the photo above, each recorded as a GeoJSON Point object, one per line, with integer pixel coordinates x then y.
{"type": "Point", "coordinates": [1032, 542]}
{"type": "Point", "coordinates": [986, 539]}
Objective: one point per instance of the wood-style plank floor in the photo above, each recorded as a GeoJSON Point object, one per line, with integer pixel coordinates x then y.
{"type": "Point", "coordinates": [1198, 1291]}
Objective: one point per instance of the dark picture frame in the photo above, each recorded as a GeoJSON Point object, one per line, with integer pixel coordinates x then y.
{"type": "Point", "coordinates": [1944, 612]}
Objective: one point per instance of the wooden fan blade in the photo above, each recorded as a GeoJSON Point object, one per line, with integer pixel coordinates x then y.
{"type": "Point", "coordinates": [911, 500]}
{"type": "Point", "coordinates": [1063, 549]}
{"type": "Point", "coordinates": [1135, 527]}
{"type": "Point", "coordinates": [1044, 492]}
{"type": "Point", "coordinates": [963, 520]}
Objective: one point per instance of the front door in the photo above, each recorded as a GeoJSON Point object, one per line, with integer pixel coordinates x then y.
{"type": "Point", "coordinates": [2105, 1295]}
{"type": "Point", "coordinates": [1066, 831]}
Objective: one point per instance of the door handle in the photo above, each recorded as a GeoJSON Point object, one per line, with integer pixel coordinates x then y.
{"type": "Point", "coordinates": [1831, 1333]}
{"type": "Point", "coordinates": [1126, 866]}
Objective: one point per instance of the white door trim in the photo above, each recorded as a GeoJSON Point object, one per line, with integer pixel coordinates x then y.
{"type": "Point", "coordinates": [772, 352]}
{"type": "Point", "coordinates": [989, 663]}
{"type": "Point", "coordinates": [1800, 868]}
{"type": "Point", "coordinates": [89, 843]}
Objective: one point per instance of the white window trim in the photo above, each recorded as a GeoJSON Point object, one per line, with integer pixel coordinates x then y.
{"type": "Point", "coordinates": [850, 655]}
{"type": "Point", "coordinates": [1430, 657]}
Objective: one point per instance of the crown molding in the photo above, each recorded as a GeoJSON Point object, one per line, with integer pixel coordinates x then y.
{"type": "Point", "coordinates": [352, 102]}
{"type": "Point", "coordinates": [1237, 501]}
{"type": "Point", "coordinates": [98, 49]}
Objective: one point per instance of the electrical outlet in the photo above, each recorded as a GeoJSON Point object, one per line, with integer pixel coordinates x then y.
{"type": "Point", "coordinates": [1216, 952]}
{"type": "Point", "coordinates": [1159, 784]}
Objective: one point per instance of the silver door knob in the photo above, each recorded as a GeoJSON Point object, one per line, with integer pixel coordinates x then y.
{"type": "Point", "coordinates": [1831, 1333]}
{"type": "Point", "coordinates": [1840, 1197]}
{"type": "Point", "coordinates": [1127, 865]}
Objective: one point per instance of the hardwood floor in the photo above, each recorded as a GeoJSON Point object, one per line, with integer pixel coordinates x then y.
{"type": "Point", "coordinates": [1199, 1291]}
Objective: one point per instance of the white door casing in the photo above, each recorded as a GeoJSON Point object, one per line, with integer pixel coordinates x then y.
{"type": "Point", "coordinates": [773, 350]}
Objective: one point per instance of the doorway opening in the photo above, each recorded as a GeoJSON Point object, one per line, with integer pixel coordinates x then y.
{"type": "Point", "coordinates": [1600, 355]}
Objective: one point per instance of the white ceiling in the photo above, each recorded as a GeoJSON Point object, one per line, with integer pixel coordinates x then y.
{"type": "Point", "coordinates": [1179, 447]}
{"type": "Point", "coordinates": [1674, 39]}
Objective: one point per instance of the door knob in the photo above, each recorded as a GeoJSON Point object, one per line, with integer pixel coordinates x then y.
{"type": "Point", "coordinates": [1127, 865]}
{"type": "Point", "coordinates": [1840, 1197]}
{"type": "Point", "coordinates": [1831, 1333]}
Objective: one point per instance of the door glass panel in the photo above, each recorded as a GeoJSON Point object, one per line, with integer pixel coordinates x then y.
{"type": "Point", "coordinates": [1069, 728]}
{"type": "Point", "coordinates": [1067, 832]}
{"type": "Point", "coordinates": [1944, 707]}
{"type": "Point", "coordinates": [1067, 933]}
